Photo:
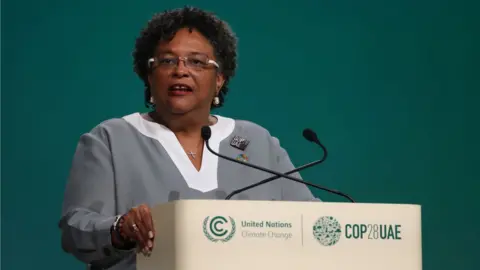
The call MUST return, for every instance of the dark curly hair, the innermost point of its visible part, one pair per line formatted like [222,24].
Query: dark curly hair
[163,27]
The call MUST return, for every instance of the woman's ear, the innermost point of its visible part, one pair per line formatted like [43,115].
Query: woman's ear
[220,82]
[149,80]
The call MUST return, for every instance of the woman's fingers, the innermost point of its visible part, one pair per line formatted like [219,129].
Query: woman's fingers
[144,228]
[146,217]
[143,217]
[148,222]
[140,228]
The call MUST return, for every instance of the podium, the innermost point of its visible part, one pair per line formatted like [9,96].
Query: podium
[281,235]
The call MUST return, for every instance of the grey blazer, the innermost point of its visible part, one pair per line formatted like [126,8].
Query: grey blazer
[124,162]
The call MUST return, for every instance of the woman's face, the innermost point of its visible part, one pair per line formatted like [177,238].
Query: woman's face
[181,86]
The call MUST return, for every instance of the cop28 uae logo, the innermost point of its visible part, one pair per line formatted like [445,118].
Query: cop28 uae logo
[327,231]
[219,228]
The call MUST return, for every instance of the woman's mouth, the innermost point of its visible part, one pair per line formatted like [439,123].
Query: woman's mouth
[179,90]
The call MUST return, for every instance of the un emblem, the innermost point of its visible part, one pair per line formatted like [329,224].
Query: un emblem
[219,228]
[327,231]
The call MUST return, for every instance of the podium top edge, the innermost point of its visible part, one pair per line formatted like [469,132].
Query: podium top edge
[293,202]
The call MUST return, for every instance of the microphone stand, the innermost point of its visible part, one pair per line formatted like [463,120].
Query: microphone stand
[206,136]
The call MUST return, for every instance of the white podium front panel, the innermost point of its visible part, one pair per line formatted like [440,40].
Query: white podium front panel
[210,235]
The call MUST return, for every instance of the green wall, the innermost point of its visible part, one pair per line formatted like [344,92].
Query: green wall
[390,86]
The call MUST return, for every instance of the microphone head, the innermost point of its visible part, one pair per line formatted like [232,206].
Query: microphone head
[206,133]
[310,135]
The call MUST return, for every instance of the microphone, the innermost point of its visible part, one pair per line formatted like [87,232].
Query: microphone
[308,134]
[173,195]
[311,136]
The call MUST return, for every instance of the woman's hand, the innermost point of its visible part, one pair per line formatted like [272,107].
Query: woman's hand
[137,226]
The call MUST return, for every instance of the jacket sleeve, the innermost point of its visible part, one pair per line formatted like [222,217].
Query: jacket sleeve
[291,190]
[88,211]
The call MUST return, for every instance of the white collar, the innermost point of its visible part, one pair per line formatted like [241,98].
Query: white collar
[204,180]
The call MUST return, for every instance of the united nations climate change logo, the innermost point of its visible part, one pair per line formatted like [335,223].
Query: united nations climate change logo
[219,228]
[327,231]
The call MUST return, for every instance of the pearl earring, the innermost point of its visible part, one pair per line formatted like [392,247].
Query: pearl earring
[216,101]
[152,100]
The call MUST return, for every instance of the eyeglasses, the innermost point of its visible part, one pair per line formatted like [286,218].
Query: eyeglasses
[195,62]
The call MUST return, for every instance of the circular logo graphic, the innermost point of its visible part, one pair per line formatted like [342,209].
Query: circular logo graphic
[219,228]
[327,231]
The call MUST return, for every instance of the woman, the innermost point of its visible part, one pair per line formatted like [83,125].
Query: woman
[186,58]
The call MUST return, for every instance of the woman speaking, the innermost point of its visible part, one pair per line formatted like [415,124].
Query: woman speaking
[123,166]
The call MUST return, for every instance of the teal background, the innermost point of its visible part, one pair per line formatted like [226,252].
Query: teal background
[391,87]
